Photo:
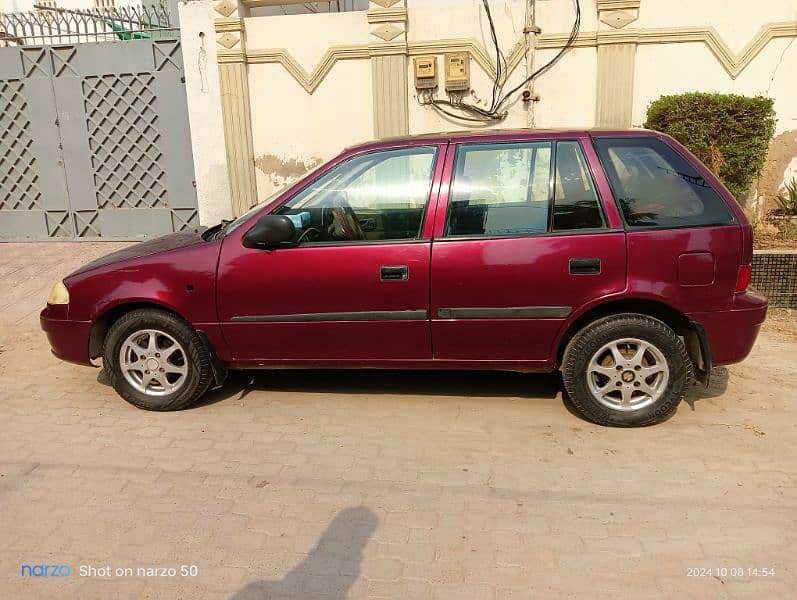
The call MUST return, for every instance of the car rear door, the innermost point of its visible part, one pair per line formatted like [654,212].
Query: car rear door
[522,240]
[355,284]
[685,246]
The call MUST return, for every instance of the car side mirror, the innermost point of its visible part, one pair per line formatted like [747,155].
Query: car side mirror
[269,232]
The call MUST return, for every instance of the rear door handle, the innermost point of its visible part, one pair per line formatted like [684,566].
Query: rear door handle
[585,266]
[394,273]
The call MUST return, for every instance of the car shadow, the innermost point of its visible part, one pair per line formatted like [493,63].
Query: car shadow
[370,382]
[329,570]
[694,392]
[718,385]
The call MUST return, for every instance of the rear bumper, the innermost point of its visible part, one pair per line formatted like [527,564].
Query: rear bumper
[732,333]
[69,340]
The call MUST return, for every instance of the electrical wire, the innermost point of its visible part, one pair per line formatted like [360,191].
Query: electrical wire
[438,104]
[477,113]
[472,113]
[500,60]
[426,99]
[571,40]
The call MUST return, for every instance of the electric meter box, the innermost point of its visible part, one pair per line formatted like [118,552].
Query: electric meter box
[425,72]
[457,72]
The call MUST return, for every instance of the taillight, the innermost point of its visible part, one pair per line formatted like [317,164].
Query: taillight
[743,278]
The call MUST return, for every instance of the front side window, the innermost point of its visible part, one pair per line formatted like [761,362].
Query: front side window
[500,189]
[656,187]
[375,196]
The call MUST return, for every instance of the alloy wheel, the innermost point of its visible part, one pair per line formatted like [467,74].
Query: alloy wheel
[627,374]
[153,362]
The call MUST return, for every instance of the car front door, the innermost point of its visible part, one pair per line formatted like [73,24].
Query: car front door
[521,242]
[354,284]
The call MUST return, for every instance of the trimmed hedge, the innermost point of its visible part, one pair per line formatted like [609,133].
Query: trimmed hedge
[729,133]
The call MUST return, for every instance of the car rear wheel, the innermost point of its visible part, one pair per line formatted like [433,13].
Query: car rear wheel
[156,361]
[626,370]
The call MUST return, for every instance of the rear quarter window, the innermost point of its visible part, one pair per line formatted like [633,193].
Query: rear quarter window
[657,187]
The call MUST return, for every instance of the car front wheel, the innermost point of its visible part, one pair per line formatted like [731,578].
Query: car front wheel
[156,361]
[626,370]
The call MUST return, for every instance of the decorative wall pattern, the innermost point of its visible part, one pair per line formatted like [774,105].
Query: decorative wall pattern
[19,176]
[124,139]
[733,63]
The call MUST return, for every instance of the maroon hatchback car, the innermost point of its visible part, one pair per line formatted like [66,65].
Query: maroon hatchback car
[613,256]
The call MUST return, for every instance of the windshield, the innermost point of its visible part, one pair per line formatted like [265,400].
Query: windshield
[233,225]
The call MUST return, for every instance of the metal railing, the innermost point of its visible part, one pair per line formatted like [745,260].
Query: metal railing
[48,25]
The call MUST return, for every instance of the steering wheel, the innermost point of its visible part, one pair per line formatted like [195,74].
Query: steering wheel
[311,234]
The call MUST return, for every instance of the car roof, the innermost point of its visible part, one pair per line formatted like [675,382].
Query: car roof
[493,135]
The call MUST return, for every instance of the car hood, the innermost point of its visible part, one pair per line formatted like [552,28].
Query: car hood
[165,243]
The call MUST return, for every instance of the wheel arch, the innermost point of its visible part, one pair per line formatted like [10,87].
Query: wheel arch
[102,323]
[698,352]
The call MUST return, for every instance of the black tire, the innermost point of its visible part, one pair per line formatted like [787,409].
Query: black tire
[593,337]
[198,377]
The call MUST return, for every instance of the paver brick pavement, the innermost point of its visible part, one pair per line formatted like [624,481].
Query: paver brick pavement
[384,485]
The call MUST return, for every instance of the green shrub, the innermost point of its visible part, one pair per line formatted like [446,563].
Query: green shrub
[729,133]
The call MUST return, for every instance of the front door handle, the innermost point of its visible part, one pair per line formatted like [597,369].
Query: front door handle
[585,266]
[394,273]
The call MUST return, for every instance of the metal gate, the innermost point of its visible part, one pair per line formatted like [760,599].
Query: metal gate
[94,141]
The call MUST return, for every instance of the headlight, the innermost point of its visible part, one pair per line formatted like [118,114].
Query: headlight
[59,294]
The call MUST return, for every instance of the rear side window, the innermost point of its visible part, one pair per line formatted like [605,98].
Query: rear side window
[656,187]
[509,189]
[500,189]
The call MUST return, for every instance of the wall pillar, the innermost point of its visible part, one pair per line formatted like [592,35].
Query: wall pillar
[616,63]
[615,91]
[204,110]
[389,67]
[234,89]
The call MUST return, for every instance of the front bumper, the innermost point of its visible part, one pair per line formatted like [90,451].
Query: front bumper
[732,333]
[69,340]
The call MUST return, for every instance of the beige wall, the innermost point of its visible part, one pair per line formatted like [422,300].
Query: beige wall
[293,130]
[675,67]
[316,83]
[765,67]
